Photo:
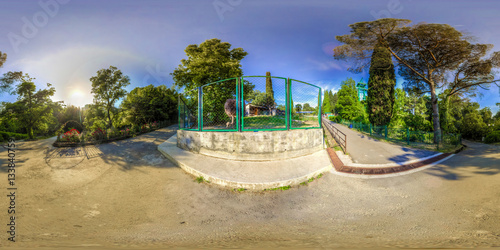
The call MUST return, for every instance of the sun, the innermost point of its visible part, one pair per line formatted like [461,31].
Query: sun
[78,98]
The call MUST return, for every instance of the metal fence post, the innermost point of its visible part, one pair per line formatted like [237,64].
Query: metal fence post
[386,132]
[319,107]
[240,108]
[200,109]
[289,103]
[179,111]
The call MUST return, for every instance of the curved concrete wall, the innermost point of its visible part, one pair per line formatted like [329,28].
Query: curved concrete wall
[254,146]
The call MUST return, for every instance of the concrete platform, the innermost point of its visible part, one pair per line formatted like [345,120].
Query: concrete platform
[251,175]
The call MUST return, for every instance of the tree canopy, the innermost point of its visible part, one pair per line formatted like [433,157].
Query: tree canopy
[381,85]
[108,86]
[426,54]
[149,104]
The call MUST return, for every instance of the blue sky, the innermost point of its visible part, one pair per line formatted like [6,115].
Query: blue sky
[65,42]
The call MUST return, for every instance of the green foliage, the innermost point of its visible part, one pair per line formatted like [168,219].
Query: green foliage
[326,107]
[348,105]
[108,86]
[264,100]
[336,118]
[32,111]
[425,54]
[269,85]
[148,104]
[380,100]
[208,62]
[492,137]
[4,136]
[298,107]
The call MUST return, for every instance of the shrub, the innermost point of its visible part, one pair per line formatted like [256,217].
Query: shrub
[492,137]
[71,136]
[7,135]
[336,119]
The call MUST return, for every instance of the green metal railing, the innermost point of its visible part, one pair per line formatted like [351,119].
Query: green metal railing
[406,135]
[251,103]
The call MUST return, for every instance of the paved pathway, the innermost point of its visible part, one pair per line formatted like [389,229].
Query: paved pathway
[366,150]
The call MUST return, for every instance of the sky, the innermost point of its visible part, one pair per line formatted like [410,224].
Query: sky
[65,42]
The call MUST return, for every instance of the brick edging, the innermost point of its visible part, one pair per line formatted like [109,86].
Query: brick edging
[340,167]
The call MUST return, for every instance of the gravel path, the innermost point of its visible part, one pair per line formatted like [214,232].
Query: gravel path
[127,195]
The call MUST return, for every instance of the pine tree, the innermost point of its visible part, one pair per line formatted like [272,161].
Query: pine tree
[380,100]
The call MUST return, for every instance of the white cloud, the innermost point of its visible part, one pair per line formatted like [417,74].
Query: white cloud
[325,65]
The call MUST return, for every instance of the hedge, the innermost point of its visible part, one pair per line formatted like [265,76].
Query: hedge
[4,136]
[492,137]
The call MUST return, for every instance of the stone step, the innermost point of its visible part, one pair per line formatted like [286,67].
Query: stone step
[251,175]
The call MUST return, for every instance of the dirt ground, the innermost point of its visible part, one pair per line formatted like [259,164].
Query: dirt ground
[127,195]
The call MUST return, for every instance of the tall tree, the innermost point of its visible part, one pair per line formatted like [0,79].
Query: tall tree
[325,108]
[32,108]
[348,105]
[209,62]
[380,100]
[269,85]
[108,87]
[425,53]
[149,104]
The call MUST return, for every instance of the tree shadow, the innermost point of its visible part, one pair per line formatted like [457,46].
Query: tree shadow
[477,159]
[138,151]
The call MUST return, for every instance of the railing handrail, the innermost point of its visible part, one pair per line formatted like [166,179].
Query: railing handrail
[335,133]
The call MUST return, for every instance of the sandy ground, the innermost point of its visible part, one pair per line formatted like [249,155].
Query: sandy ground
[127,195]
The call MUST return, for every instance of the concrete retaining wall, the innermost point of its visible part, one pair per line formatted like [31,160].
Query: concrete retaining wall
[254,146]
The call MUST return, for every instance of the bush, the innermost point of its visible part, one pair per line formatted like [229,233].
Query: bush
[336,119]
[492,137]
[7,135]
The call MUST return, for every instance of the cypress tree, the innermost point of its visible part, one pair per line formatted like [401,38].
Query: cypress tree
[326,103]
[380,100]
[269,85]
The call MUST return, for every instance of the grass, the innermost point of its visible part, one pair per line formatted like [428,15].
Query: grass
[279,188]
[200,179]
[270,122]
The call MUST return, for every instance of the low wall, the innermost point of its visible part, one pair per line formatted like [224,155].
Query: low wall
[254,146]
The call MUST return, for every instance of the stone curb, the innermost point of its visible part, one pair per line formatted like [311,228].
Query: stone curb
[367,171]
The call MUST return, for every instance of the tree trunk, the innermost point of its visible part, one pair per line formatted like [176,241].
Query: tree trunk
[30,133]
[435,115]
[109,119]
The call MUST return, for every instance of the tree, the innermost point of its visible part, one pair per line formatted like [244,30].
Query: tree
[325,108]
[3,58]
[269,85]
[32,108]
[348,105]
[264,100]
[148,104]
[399,111]
[380,100]
[425,53]
[109,86]
[298,107]
[307,107]
[209,62]
[333,99]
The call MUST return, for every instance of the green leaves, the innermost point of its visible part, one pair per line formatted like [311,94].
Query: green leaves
[208,62]
[108,86]
[381,84]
